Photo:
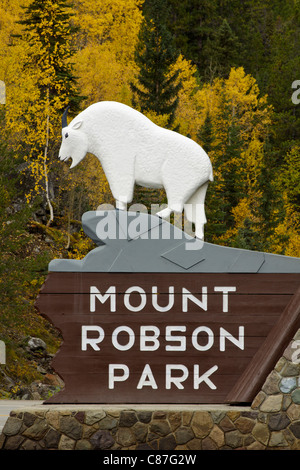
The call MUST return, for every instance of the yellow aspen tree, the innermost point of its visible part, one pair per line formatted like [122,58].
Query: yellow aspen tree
[286,239]
[239,124]
[104,62]
[187,116]
[46,67]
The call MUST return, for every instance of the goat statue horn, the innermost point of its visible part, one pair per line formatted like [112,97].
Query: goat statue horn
[64,117]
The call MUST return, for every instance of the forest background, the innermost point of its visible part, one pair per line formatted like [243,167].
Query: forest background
[225,73]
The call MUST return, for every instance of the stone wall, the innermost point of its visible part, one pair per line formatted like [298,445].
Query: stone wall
[271,422]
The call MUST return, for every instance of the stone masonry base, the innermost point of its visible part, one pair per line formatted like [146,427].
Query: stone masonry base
[152,428]
[271,422]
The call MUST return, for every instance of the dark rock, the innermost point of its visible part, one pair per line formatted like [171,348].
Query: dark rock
[296,396]
[31,445]
[295,428]
[278,421]
[37,430]
[161,428]
[102,439]
[71,427]
[250,414]
[183,435]
[12,426]
[209,444]
[28,419]
[80,416]
[127,419]
[153,444]
[140,431]
[143,447]
[167,443]
[226,424]
[13,442]
[144,416]
[51,439]
[234,439]
[109,422]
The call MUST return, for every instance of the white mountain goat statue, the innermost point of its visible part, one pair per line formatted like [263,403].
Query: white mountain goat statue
[133,150]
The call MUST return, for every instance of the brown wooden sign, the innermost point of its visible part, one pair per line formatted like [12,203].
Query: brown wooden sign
[168,337]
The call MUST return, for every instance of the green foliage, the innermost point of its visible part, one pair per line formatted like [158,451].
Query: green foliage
[46,40]
[157,88]
[220,70]
[48,30]
[224,50]
[22,272]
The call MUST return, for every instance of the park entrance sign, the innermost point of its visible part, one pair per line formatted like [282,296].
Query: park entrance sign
[150,318]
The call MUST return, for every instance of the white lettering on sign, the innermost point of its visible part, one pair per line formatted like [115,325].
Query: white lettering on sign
[175,376]
[145,339]
[210,338]
[155,303]
[186,295]
[93,342]
[139,292]
[147,379]
[178,339]
[115,340]
[225,291]
[151,342]
[204,377]
[143,299]
[177,381]
[112,378]
[96,294]
[238,342]
[148,338]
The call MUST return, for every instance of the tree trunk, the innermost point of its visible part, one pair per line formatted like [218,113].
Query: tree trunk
[45,165]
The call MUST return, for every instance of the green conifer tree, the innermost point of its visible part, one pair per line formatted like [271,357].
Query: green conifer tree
[228,186]
[48,29]
[157,88]
[247,237]
[223,48]
[206,134]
